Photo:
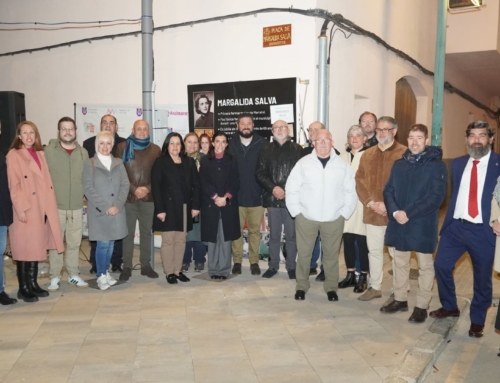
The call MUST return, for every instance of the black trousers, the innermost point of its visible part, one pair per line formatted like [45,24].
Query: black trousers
[116,257]
[350,240]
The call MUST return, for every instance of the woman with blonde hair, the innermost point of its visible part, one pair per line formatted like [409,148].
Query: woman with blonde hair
[36,227]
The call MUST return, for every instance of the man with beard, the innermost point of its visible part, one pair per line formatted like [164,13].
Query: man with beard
[65,158]
[466,227]
[276,161]
[109,124]
[413,195]
[372,175]
[202,106]
[245,145]
[368,121]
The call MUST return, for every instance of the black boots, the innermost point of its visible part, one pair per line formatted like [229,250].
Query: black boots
[25,291]
[33,274]
[349,280]
[362,284]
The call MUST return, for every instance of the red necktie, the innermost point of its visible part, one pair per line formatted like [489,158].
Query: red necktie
[473,210]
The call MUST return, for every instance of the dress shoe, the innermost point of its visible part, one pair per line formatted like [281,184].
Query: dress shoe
[116,269]
[93,270]
[300,295]
[172,279]
[476,331]
[418,316]
[236,268]
[332,296]
[370,294]
[321,276]
[348,281]
[443,313]
[181,277]
[313,271]
[5,299]
[148,271]
[125,274]
[269,273]
[291,274]
[362,284]
[395,306]
[255,269]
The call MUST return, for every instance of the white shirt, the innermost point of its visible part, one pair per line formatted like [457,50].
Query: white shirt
[462,206]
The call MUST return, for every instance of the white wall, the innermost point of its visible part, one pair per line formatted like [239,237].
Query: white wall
[109,71]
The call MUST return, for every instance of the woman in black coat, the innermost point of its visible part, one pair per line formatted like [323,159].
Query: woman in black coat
[175,186]
[219,205]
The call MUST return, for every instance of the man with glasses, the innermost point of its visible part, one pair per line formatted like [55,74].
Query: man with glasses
[372,175]
[276,161]
[321,195]
[368,122]
[466,227]
[65,158]
[109,124]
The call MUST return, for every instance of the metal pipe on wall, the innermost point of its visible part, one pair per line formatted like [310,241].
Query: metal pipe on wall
[323,76]
[147,79]
[439,61]
[147,60]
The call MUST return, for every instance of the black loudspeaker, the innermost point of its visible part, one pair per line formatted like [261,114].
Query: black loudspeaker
[12,112]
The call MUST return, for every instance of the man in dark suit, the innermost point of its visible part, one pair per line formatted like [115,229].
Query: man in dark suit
[466,227]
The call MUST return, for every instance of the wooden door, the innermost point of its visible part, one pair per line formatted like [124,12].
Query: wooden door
[405,110]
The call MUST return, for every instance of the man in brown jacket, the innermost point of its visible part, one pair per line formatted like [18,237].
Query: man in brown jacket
[372,175]
[138,155]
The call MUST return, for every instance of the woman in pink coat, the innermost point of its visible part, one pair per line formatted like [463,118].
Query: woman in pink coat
[36,226]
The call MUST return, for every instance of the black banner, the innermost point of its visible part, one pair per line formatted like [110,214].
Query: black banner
[217,106]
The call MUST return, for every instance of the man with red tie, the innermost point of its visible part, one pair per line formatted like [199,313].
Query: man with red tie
[466,227]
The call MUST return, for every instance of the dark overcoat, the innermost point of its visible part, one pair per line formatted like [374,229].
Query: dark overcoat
[210,188]
[167,193]
[418,188]
[5,202]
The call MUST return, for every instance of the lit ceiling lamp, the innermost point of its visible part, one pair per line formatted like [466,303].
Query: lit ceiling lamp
[457,6]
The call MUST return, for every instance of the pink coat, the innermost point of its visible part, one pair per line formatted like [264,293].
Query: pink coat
[32,192]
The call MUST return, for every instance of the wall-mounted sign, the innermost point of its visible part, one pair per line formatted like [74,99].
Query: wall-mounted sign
[277,35]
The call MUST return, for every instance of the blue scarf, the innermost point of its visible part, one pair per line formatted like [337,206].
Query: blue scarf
[134,144]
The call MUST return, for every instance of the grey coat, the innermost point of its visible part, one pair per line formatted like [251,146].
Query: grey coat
[104,189]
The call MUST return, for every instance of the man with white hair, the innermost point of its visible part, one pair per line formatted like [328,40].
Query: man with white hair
[321,195]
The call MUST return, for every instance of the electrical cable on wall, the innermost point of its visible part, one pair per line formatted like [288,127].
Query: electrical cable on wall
[342,24]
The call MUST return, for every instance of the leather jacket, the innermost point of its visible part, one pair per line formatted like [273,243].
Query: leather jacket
[274,165]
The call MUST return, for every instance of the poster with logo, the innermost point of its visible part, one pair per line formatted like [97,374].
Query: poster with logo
[217,106]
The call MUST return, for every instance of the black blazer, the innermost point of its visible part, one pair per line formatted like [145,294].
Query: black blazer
[6,212]
[209,210]
[168,196]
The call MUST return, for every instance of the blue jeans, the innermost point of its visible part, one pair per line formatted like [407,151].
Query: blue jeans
[3,243]
[317,251]
[195,250]
[103,252]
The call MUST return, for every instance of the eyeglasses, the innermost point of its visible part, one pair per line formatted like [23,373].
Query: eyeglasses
[323,140]
[481,136]
[385,130]
[280,127]
[67,129]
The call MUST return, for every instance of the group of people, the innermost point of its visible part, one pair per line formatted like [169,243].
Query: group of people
[201,192]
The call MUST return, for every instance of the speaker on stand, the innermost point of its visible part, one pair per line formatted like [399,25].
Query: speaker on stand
[12,112]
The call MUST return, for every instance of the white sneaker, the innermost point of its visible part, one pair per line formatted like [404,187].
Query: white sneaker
[75,280]
[111,280]
[102,282]
[54,284]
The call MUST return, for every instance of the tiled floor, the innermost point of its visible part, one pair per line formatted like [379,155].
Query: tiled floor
[246,329]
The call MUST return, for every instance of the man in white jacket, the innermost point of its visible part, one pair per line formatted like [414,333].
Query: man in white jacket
[321,195]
